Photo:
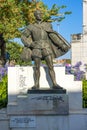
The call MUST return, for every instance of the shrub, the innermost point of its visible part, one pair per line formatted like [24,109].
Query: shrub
[75,70]
[84,89]
[3,86]
[3,92]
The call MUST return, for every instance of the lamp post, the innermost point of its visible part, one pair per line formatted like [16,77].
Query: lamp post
[58,27]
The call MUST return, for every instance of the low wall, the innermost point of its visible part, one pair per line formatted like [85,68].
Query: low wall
[73,121]
[4,120]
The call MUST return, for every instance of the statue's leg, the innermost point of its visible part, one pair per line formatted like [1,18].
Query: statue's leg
[36,73]
[49,62]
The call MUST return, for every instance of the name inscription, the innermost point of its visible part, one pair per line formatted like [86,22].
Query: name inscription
[49,98]
[22,121]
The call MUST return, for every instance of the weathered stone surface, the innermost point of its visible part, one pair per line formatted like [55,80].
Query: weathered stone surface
[40,104]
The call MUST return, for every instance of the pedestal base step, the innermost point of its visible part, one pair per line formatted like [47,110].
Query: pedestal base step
[46,91]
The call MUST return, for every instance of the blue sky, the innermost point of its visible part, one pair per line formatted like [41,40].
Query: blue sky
[72,24]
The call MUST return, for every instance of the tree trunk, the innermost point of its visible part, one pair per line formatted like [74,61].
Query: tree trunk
[2,49]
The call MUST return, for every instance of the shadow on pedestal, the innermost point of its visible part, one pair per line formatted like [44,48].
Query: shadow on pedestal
[46,91]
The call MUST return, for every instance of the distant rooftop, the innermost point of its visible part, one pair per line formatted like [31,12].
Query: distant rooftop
[76,37]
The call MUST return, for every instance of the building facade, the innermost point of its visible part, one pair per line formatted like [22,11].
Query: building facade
[79,41]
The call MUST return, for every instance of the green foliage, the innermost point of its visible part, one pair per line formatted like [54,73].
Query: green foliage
[10,19]
[68,61]
[3,92]
[43,62]
[15,49]
[84,85]
[15,14]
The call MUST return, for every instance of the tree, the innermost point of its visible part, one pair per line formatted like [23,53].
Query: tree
[15,14]
[10,19]
[2,48]
[28,7]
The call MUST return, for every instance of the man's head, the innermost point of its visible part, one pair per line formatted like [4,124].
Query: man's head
[38,15]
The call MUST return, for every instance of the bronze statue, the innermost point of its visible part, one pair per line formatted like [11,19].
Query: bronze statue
[41,42]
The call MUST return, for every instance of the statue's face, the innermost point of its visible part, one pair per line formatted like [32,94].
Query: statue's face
[38,15]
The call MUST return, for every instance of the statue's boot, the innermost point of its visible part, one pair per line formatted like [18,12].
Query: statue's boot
[35,87]
[57,87]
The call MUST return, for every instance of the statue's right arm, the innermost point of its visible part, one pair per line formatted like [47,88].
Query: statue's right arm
[26,38]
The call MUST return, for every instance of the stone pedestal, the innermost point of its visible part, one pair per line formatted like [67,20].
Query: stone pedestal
[47,108]
[41,102]
[37,104]
[48,102]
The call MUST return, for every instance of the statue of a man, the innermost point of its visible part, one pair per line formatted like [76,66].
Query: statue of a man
[44,43]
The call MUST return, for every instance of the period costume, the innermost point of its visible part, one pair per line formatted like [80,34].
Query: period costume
[40,40]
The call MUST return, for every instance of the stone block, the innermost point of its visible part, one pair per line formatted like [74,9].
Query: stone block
[41,102]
